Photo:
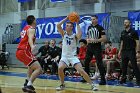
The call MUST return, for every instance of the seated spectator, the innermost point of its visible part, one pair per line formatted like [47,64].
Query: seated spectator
[110,58]
[82,54]
[82,50]
[53,56]
[44,54]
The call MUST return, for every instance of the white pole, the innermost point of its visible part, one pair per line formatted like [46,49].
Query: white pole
[36,4]
[19,6]
[71,7]
[1,6]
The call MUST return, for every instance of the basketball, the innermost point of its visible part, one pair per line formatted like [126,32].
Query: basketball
[73,17]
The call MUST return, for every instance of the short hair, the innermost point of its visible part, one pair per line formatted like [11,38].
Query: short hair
[128,20]
[83,40]
[70,23]
[95,16]
[30,19]
[53,40]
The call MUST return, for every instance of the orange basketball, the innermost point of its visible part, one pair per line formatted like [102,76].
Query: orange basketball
[73,17]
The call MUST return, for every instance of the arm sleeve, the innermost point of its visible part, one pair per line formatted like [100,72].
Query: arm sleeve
[102,31]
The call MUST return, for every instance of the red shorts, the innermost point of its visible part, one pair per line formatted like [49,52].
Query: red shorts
[25,56]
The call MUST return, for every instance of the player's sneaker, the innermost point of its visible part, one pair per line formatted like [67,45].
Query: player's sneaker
[96,76]
[61,87]
[94,88]
[29,89]
[26,81]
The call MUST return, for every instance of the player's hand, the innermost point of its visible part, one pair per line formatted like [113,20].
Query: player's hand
[77,22]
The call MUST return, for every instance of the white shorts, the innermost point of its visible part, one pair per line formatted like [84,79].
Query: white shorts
[67,60]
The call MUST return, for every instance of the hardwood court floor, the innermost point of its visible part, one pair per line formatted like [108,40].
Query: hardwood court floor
[13,84]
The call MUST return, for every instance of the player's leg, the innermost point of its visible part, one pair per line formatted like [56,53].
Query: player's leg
[61,68]
[36,68]
[29,72]
[79,68]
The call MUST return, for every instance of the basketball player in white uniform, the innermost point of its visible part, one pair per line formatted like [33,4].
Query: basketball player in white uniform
[69,53]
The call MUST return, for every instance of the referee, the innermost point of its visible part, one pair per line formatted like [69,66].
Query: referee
[95,35]
[129,47]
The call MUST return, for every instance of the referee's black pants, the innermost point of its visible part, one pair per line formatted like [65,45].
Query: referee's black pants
[130,55]
[97,52]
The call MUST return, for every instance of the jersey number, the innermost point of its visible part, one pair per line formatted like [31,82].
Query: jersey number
[23,33]
[68,42]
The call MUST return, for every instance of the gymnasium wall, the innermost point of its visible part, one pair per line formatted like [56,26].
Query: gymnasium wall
[116,7]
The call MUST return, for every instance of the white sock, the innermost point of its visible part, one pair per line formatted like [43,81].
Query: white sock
[29,83]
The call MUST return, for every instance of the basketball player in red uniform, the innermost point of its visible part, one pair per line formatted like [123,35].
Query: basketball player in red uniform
[25,55]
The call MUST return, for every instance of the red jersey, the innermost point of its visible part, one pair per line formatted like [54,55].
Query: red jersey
[24,44]
[110,52]
[82,53]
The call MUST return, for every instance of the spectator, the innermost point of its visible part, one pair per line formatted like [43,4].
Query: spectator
[110,58]
[44,54]
[82,50]
[53,56]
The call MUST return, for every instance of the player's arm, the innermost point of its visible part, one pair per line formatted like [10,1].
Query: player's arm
[79,32]
[31,34]
[59,28]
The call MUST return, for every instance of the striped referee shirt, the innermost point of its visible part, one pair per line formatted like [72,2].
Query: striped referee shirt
[95,32]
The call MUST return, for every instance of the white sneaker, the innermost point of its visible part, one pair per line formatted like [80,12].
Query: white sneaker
[94,88]
[96,76]
[61,87]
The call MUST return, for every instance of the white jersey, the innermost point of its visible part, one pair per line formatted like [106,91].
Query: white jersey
[69,45]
